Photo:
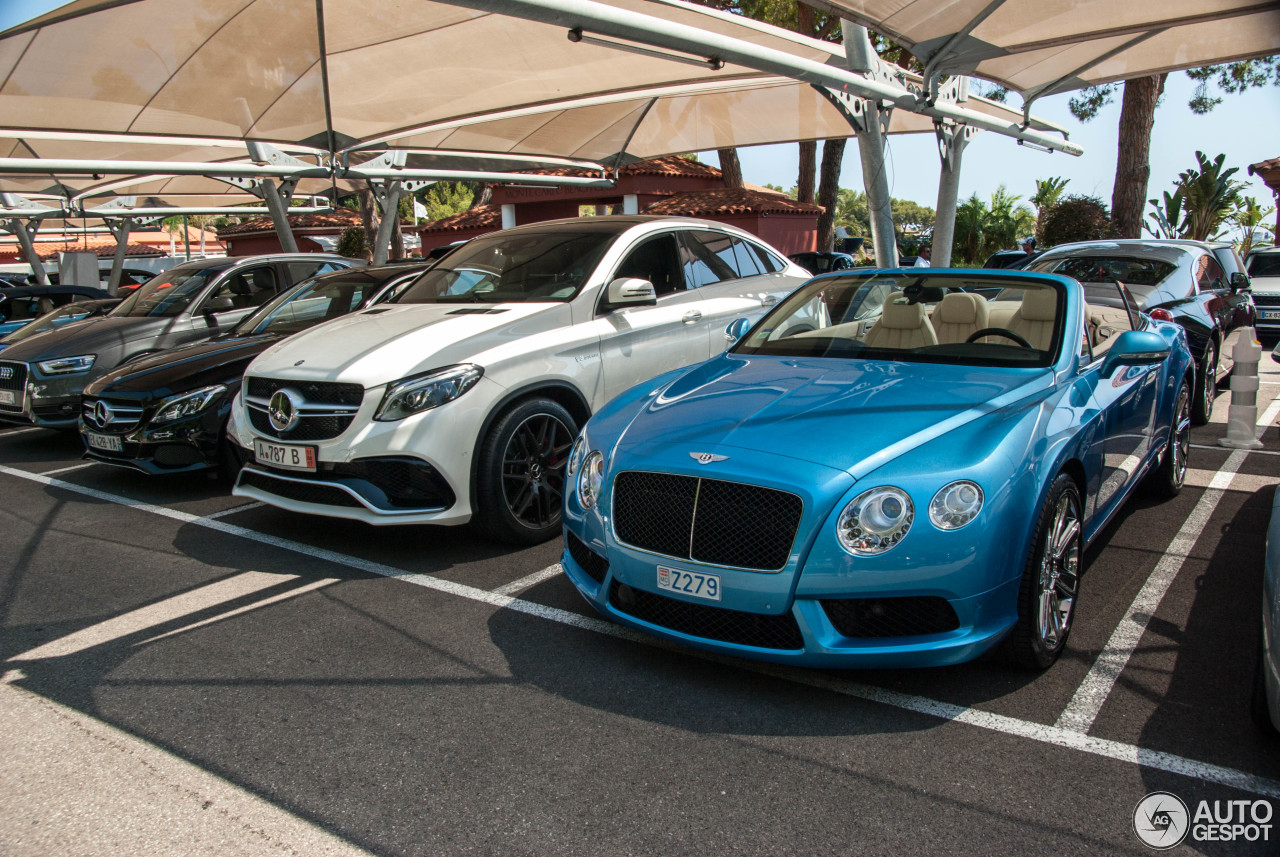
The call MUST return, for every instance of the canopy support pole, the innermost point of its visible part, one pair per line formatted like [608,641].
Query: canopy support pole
[277,200]
[26,237]
[952,139]
[121,234]
[388,196]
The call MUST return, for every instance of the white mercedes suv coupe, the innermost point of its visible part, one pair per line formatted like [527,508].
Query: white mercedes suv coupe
[461,397]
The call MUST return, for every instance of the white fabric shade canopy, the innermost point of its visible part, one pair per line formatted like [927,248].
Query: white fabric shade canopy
[1041,47]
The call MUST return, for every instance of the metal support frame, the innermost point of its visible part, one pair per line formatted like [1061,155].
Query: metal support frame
[952,140]
[387,195]
[25,229]
[870,118]
[599,19]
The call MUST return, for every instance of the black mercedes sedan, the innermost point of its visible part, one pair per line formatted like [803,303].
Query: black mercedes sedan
[167,413]
[1182,281]
[42,377]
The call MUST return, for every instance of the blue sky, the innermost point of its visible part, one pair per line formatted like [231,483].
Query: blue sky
[1244,127]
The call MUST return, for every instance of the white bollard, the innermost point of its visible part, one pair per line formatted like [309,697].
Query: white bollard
[1242,416]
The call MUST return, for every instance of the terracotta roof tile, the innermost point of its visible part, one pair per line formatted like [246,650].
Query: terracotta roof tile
[328,221]
[1272,164]
[668,166]
[480,217]
[730,200]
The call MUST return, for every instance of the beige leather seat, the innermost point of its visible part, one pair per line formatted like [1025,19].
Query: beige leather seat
[1036,319]
[902,325]
[958,316]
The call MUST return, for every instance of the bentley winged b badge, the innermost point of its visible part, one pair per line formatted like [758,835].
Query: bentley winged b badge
[707,457]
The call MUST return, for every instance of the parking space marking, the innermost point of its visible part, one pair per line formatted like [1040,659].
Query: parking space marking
[71,468]
[532,580]
[164,612]
[213,516]
[1039,732]
[1093,692]
[1247,483]
[1223,449]
[11,433]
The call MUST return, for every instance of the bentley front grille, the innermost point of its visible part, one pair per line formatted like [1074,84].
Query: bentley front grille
[706,520]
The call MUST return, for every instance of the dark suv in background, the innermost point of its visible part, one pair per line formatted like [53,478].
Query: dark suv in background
[41,378]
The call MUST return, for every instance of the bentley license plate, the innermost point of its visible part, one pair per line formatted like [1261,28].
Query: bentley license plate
[693,583]
[105,442]
[288,457]
[8,397]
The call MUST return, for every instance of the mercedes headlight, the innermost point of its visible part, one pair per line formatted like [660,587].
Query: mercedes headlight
[67,365]
[955,505]
[591,479]
[875,521]
[424,392]
[190,403]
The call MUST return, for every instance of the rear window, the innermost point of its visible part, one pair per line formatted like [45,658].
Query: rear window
[1141,276]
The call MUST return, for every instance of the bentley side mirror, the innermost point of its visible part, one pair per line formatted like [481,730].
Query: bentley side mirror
[631,291]
[1135,348]
[736,330]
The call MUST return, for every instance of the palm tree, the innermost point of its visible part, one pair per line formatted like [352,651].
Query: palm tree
[1210,195]
[1248,217]
[1048,192]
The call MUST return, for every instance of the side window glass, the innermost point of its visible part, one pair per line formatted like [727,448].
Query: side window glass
[301,270]
[769,263]
[1211,276]
[247,288]
[654,260]
[748,262]
[708,259]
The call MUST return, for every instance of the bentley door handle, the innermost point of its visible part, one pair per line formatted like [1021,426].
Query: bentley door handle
[692,316]
[768,300]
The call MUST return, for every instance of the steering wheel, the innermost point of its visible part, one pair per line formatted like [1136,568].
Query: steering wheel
[1000,331]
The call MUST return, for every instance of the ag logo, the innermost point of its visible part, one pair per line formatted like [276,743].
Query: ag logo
[6,372]
[707,457]
[283,408]
[1161,820]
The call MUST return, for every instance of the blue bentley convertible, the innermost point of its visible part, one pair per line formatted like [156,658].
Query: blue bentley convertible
[909,489]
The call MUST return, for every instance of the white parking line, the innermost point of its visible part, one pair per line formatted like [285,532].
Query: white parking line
[213,516]
[11,433]
[71,468]
[1093,692]
[1054,735]
[532,580]
[1223,449]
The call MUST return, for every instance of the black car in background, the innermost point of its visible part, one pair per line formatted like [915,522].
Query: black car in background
[167,413]
[41,378]
[76,311]
[823,263]
[1182,281]
[21,304]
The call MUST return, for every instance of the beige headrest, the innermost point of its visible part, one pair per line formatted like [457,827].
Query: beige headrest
[1039,305]
[900,315]
[960,308]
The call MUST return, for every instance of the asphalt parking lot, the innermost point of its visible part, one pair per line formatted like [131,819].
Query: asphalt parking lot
[188,673]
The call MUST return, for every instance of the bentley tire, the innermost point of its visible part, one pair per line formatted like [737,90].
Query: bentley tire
[520,474]
[1206,385]
[1050,581]
[1167,479]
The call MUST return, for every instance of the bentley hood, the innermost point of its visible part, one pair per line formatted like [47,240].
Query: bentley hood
[389,342]
[853,415]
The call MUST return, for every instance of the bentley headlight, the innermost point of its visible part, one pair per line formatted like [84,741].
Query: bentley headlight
[185,405]
[955,505]
[575,456]
[67,365]
[591,479]
[875,521]
[424,392]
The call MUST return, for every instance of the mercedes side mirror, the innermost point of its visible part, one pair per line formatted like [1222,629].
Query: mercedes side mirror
[631,291]
[221,304]
[1240,282]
